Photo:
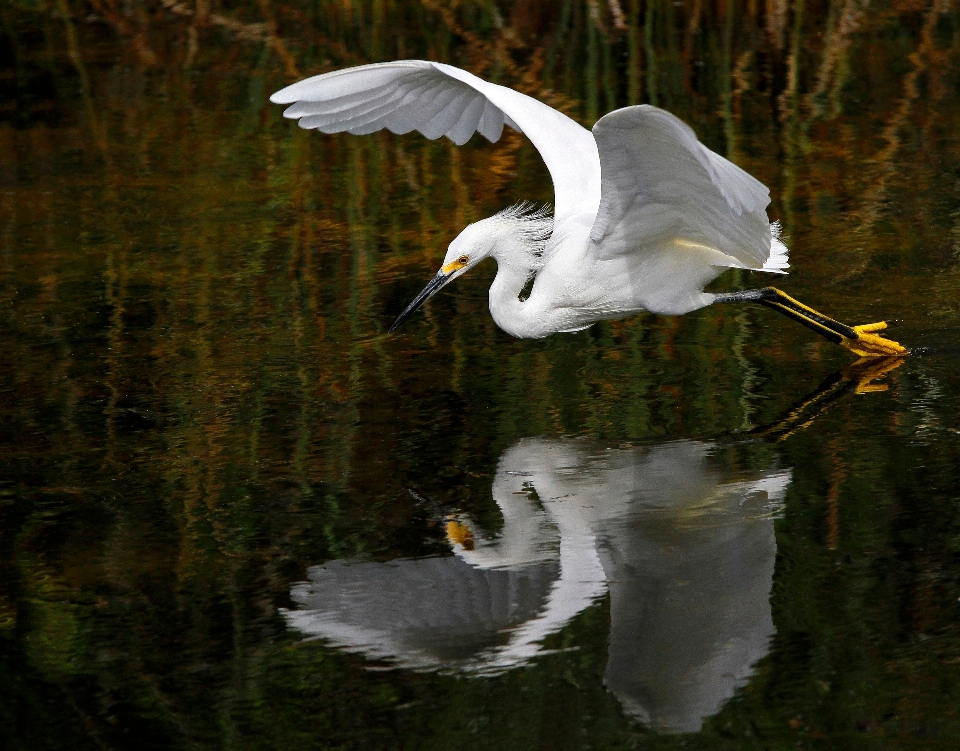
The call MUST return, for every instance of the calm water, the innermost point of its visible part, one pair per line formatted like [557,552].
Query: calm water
[234,513]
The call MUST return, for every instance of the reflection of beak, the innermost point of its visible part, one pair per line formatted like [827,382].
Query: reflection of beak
[429,291]
[459,534]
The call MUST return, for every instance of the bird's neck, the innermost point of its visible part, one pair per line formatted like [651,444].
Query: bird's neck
[517,259]
[508,311]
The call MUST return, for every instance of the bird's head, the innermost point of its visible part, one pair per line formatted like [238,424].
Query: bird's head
[469,248]
[516,237]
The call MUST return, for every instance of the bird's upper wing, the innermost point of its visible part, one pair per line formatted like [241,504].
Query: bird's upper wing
[659,183]
[437,100]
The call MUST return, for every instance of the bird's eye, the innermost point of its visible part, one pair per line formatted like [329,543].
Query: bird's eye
[463,260]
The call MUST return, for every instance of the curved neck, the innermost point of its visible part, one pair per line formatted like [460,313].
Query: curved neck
[505,305]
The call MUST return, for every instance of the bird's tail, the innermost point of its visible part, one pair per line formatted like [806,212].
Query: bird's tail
[778,261]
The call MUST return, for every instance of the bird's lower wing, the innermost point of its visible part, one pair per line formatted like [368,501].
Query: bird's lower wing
[661,186]
[440,100]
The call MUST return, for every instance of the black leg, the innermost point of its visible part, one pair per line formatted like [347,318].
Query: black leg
[860,339]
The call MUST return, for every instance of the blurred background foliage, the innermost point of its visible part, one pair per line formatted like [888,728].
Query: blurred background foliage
[198,399]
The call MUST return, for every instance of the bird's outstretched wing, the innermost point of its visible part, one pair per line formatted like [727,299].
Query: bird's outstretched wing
[659,183]
[436,100]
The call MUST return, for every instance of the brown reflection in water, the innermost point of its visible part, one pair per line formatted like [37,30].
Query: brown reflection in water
[198,399]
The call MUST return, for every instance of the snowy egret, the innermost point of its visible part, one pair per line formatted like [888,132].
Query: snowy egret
[644,214]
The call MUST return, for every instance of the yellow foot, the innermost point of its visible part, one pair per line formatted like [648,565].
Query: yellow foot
[868,344]
[868,369]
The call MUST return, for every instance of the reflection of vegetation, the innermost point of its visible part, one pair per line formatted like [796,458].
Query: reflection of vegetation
[198,400]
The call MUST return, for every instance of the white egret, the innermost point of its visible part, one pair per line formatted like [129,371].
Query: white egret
[644,214]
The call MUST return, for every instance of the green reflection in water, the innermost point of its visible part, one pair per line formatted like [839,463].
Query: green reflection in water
[199,401]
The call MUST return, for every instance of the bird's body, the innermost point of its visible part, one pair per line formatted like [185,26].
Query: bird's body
[574,288]
[645,216]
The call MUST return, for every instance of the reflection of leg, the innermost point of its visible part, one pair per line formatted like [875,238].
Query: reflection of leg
[857,377]
[860,340]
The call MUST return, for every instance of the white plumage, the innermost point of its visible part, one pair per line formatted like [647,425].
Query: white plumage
[644,214]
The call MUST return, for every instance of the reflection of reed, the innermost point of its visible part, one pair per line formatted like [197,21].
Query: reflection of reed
[843,21]
[884,165]
[442,186]
[776,12]
[131,22]
[194,379]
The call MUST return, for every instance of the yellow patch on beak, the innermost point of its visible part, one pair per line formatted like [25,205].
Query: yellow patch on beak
[459,534]
[453,266]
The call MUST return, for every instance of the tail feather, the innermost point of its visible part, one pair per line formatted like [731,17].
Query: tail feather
[778,261]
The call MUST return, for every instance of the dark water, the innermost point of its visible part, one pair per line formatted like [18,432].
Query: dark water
[234,513]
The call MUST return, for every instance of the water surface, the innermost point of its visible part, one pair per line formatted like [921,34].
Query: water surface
[236,514]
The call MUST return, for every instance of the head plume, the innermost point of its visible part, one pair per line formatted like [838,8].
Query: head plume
[531,225]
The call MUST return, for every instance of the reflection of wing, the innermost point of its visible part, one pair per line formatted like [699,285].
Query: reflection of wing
[686,555]
[421,614]
[660,185]
[688,558]
[436,100]
[693,615]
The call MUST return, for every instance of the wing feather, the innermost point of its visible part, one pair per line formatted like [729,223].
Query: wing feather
[467,124]
[341,105]
[318,117]
[403,120]
[437,100]
[429,102]
[371,126]
[660,184]
[428,109]
[417,108]
[441,102]
[348,82]
[491,124]
[448,117]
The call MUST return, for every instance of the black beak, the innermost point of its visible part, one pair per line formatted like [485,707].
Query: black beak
[429,291]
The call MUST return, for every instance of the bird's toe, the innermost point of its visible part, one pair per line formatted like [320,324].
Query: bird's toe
[868,344]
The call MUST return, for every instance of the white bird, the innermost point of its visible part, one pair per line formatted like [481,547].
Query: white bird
[645,216]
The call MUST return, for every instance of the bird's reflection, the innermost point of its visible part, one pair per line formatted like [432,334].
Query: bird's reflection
[685,551]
